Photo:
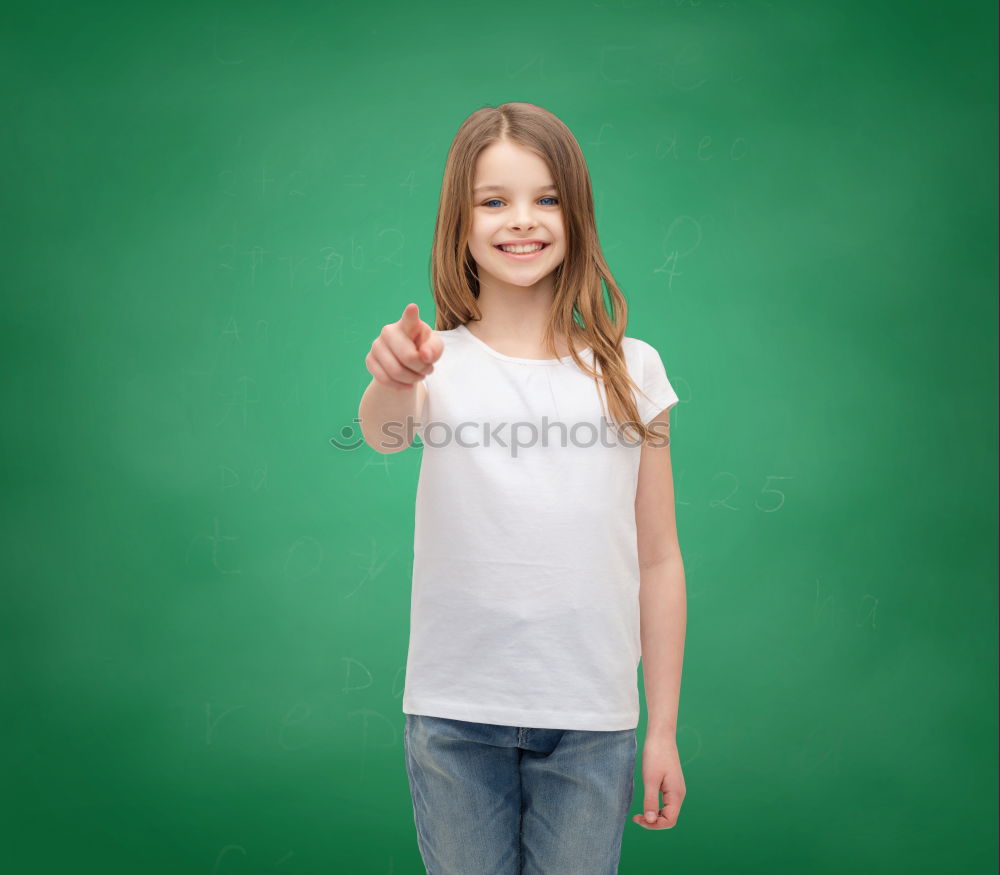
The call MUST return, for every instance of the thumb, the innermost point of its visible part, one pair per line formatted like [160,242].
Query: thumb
[651,802]
[429,346]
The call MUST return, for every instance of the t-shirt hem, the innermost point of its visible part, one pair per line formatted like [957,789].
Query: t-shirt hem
[531,718]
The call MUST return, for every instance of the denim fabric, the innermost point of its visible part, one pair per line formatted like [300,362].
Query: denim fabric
[511,800]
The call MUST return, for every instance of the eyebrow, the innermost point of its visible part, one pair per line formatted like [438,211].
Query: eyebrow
[503,188]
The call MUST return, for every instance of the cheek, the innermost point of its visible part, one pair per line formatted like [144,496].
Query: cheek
[480,233]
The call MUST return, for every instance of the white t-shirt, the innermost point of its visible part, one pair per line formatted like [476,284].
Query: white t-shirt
[525,600]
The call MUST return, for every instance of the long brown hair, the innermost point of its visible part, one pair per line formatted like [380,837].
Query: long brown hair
[578,312]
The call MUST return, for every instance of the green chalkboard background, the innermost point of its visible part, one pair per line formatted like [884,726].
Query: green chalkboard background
[210,209]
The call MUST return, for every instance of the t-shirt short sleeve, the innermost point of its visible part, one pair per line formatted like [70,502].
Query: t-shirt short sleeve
[657,393]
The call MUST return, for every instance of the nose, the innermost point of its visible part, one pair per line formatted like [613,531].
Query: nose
[524,217]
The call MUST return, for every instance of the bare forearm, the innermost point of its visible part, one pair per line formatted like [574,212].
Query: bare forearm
[663,621]
[387,417]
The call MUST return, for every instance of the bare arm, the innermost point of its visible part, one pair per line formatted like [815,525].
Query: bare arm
[663,619]
[662,591]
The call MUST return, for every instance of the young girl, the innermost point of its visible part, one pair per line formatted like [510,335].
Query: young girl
[545,556]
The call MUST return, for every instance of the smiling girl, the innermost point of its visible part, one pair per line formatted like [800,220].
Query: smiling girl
[545,560]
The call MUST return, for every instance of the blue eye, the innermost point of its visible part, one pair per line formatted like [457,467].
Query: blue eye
[546,198]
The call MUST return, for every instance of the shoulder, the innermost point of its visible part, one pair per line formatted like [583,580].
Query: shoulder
[449,335]
[451,339]
[638,352]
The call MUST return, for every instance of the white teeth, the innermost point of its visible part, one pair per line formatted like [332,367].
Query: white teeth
[520,249]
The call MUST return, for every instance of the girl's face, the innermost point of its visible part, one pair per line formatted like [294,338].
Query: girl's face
[515,200]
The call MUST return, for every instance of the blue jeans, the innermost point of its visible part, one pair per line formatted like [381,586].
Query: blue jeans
[511,800]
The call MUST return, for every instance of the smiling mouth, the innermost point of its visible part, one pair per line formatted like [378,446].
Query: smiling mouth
[524,256]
